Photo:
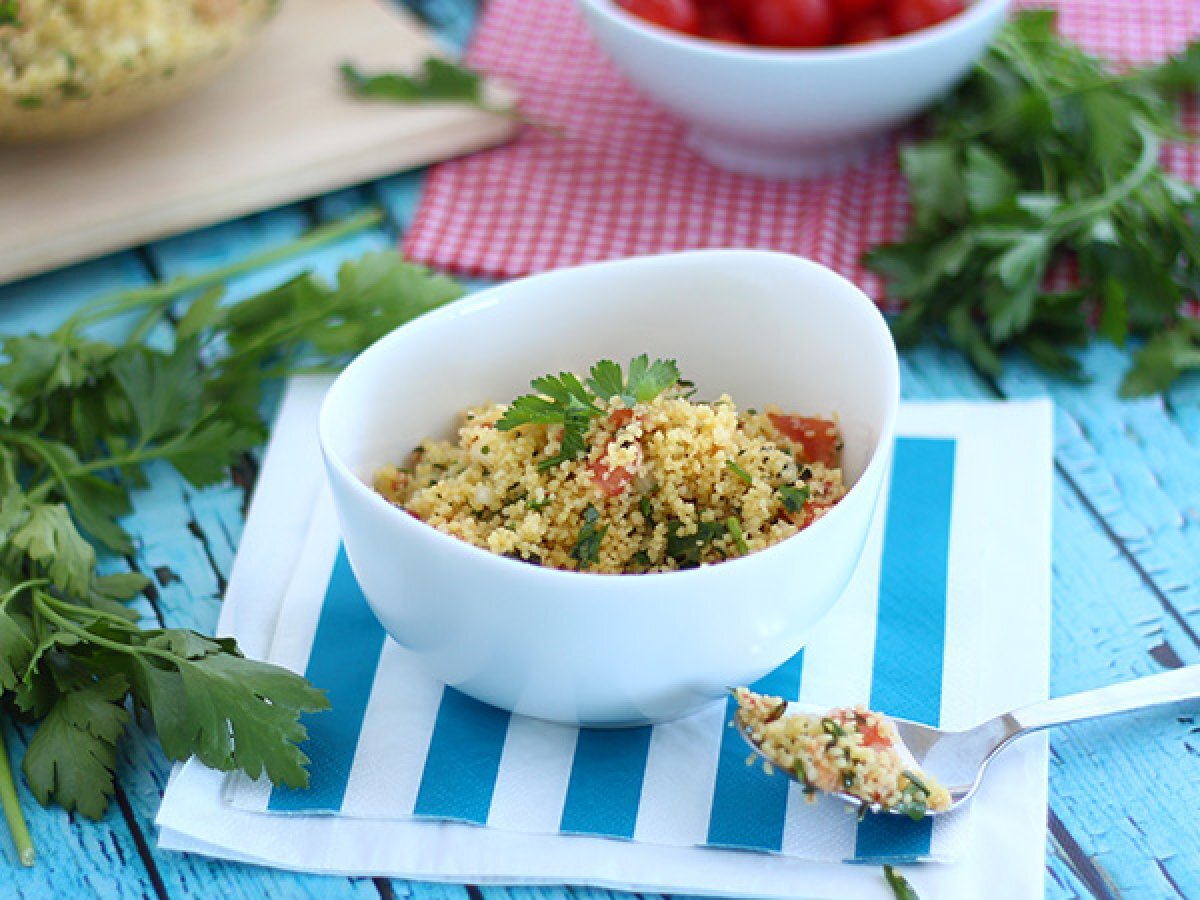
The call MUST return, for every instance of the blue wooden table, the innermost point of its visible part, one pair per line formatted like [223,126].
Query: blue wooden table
[1124,796]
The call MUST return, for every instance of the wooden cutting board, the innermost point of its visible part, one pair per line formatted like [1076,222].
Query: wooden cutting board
[276,127]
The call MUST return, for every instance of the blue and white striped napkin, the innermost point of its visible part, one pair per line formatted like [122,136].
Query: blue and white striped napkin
[945,622]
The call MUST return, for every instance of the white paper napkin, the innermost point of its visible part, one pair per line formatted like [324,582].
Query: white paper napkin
[1002,483]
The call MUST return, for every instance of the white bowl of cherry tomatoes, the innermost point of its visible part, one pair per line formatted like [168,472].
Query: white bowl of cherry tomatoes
[793,88]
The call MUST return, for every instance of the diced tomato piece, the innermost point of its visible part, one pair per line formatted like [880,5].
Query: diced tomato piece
[808,514]
[612,482]
[818,438]
[874,733]
[874,736]
[620,418]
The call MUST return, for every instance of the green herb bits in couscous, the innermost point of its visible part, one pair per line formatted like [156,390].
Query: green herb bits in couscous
[622,472]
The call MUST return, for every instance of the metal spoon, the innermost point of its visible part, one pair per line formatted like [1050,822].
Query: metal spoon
[958,759]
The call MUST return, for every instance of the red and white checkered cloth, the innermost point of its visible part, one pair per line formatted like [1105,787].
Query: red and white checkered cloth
[621,182]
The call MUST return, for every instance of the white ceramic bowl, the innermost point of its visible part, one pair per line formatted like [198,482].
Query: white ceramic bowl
[792,112]
[594,649]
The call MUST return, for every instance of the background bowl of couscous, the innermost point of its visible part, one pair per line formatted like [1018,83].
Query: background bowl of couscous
[71,69]
[601,649]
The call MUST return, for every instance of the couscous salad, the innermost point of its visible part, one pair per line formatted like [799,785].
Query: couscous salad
[846,751]
[52,49]
[622,472]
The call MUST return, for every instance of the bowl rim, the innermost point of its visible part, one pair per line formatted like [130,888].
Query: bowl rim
[486,298]
[978,9]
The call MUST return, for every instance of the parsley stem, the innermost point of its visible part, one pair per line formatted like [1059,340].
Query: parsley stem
[138,456]
[34,445]
[92,612]
[42,601]
[56,611]
[17,826]
[17,588]
[168,291]
[1118,192]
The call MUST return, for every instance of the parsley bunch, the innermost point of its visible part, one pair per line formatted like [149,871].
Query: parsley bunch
[80,420]
[1044,158]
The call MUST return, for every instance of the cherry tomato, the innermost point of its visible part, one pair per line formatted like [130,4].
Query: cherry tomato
[906,16]
[848,11]
[739,9]
[678,15]
[818,438]
[866,30]
[792,23]
[721,21]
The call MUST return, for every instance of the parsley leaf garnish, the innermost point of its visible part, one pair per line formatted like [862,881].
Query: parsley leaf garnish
[587,546]
[645,382]
[1042,156]
[561,400]
[688,549]
[10,12]
[564,400]
[793,497]
[647,510]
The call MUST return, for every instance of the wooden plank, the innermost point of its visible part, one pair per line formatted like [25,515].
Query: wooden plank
[1137,463]
[277,127]
[453,20]
[1109,625]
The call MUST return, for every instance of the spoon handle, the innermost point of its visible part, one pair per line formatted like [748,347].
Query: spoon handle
[1154,690]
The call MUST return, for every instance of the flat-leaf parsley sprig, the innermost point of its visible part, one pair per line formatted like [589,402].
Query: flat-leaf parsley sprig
[565,400]
[80,420]
[438,81]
